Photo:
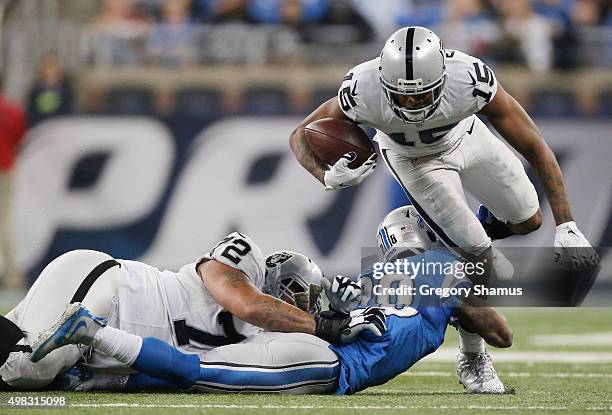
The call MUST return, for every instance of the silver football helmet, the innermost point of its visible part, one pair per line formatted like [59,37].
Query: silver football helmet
[403,233]
[412,64]
[289,274]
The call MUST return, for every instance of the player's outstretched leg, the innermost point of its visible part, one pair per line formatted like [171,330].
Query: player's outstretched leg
[76,326]
[474,366]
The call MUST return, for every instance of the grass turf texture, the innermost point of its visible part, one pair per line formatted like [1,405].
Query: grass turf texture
[430,387]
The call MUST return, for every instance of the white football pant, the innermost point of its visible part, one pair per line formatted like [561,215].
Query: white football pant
[484,166]
[63,280]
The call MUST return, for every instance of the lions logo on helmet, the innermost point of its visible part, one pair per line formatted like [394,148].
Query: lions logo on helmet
[420,222]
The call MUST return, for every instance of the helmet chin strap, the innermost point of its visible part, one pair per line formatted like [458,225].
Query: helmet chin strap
[397,109]
[420,120]
[426,114]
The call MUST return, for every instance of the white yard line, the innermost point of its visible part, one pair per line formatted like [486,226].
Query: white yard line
[425,373]
[450,355]
[584,339]
[348,407]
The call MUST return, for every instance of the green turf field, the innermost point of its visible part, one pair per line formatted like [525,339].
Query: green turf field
[568,373]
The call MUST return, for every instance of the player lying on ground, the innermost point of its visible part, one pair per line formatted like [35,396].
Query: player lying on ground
[218,300]
[422,100]
[294,362]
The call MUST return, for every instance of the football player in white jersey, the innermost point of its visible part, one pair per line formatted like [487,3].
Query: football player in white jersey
[422,100]
[215,301]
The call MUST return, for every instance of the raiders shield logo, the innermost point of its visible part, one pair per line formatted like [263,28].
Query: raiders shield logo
[277,259]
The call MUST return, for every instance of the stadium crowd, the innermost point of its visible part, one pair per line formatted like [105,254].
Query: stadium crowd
[532,36]
[541,34]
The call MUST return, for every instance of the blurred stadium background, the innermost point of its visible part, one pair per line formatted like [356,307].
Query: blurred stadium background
[155,127]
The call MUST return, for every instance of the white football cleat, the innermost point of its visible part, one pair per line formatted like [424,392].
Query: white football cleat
[477,374]
[502,267]
[76,326]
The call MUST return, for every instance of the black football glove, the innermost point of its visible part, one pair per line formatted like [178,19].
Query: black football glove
[338,328]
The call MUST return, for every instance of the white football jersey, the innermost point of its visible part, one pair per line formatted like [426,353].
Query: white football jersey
[176,306]
[470,85]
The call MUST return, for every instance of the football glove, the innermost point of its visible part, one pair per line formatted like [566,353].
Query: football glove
[340,175]
[570,244]
[344,294]
[338,328]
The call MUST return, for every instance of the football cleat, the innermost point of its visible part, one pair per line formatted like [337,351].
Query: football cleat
[495,228]
[76,326]
[503,269]
[477,374]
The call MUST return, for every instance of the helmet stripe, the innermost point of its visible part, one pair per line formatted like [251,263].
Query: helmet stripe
[385,238]
[409,47]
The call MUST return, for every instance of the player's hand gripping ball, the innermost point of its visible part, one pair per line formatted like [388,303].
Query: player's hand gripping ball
[340,175]
[345,147]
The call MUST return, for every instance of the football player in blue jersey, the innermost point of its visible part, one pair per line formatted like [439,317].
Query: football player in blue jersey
[299,363]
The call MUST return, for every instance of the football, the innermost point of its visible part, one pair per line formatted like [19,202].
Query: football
[331,138]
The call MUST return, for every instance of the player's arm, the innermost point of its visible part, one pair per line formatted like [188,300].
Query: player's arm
[514,124]
[301,149]
[235,293]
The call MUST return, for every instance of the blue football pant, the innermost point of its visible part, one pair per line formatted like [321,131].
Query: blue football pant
[265,363]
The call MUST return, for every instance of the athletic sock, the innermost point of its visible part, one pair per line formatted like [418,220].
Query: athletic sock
[118,344]
[470,342]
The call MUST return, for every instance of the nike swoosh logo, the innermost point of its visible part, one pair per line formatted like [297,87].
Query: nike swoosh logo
[572,232]
[473,80]
[354,93]
[471,128]
[78,326]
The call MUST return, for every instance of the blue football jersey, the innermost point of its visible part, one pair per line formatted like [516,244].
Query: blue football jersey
[412,333]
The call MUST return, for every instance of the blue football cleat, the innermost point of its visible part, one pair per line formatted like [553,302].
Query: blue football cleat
[76,326]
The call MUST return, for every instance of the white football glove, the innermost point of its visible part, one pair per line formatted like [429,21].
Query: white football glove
[570,244]
[344,294]
[340,175]
[372,319]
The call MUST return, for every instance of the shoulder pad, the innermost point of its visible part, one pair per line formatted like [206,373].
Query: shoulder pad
[239,251]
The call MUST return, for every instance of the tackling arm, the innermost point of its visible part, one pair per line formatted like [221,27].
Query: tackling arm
[301,149]
[235,293]
[514,124]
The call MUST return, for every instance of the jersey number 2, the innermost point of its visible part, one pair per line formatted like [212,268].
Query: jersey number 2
[236,251]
